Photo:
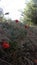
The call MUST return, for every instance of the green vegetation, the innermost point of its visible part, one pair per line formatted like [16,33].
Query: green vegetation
[30,12]
[21,38]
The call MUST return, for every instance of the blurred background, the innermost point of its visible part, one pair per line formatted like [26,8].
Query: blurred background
[13,7]
[23,10]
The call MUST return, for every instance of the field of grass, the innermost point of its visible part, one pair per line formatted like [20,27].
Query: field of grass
[23,44]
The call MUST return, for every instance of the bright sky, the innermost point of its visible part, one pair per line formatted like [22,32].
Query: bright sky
[12,6]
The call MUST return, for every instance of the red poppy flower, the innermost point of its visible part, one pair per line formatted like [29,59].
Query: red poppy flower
[5,45]
[35,61]
[16,21]
[26,26]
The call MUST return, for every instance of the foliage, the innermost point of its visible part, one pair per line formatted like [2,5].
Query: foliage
[22,44]
[30,12]
[19,43]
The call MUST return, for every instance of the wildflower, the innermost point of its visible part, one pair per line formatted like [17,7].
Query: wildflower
[35,61]
[16,21]
[5,44]
[26,27]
